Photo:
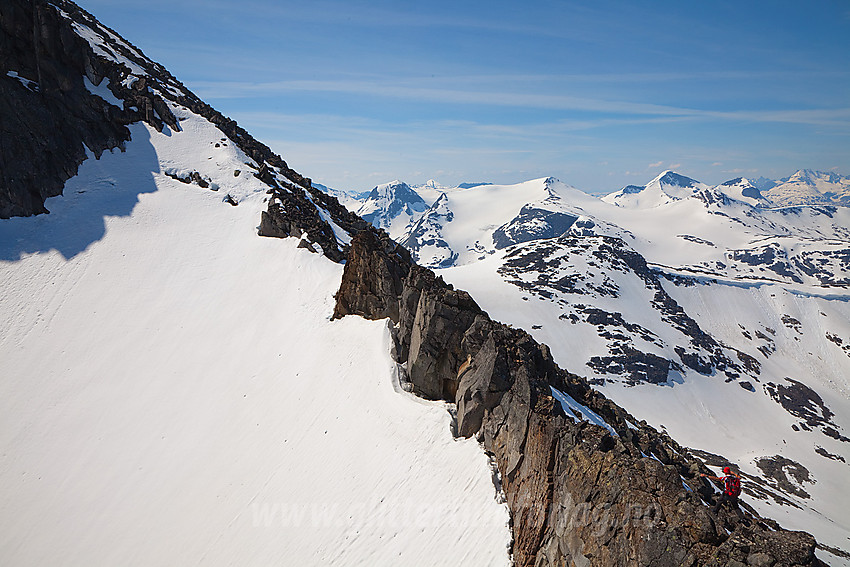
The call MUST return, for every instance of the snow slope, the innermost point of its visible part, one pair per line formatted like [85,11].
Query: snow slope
[174,393]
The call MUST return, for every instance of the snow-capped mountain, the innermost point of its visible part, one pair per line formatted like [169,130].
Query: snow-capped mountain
[667,187]
[807,187]
[460,226]
[701,300]
[742,189]
[392,206]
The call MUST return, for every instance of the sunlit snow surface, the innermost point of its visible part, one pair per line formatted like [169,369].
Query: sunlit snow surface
[173,392]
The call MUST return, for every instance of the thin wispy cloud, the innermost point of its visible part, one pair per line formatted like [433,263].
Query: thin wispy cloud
[347,91]
[835,117]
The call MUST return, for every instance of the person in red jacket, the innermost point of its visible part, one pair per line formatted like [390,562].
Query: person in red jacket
[731,490]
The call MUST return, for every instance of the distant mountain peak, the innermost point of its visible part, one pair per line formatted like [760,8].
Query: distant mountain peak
[811,176]
[743,189]
[392,206]
[670,177]
[763,183]
[810,187]
[666,187]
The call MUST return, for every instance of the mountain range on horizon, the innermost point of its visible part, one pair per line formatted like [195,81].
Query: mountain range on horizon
[803,187]
[208,358]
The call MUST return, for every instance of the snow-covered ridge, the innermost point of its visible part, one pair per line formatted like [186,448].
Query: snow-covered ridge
[715,228]
[667,187]
[149,416]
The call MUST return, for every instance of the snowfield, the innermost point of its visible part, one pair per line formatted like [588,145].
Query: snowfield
[174,392]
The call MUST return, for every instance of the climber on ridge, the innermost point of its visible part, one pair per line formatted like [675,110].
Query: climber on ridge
[731,490]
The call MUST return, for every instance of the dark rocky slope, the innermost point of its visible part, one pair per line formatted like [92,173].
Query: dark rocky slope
[579,494]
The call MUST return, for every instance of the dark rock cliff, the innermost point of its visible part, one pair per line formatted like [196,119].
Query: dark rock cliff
[47,116]
[579,493]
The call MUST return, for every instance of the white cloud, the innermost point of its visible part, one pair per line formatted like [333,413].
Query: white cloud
[452,91]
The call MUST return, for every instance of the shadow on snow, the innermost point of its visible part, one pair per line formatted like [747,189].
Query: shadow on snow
[106,187]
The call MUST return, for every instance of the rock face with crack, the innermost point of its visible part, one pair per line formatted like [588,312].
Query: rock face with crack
[588,487]
[49,117]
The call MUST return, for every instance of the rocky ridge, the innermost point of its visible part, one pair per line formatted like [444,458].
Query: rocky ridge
[579,492]
[56,57]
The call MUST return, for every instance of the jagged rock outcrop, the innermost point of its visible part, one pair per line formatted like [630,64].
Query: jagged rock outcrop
[586,484]
[372,296]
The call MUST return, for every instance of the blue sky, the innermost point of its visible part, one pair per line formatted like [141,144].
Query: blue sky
[598,94]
